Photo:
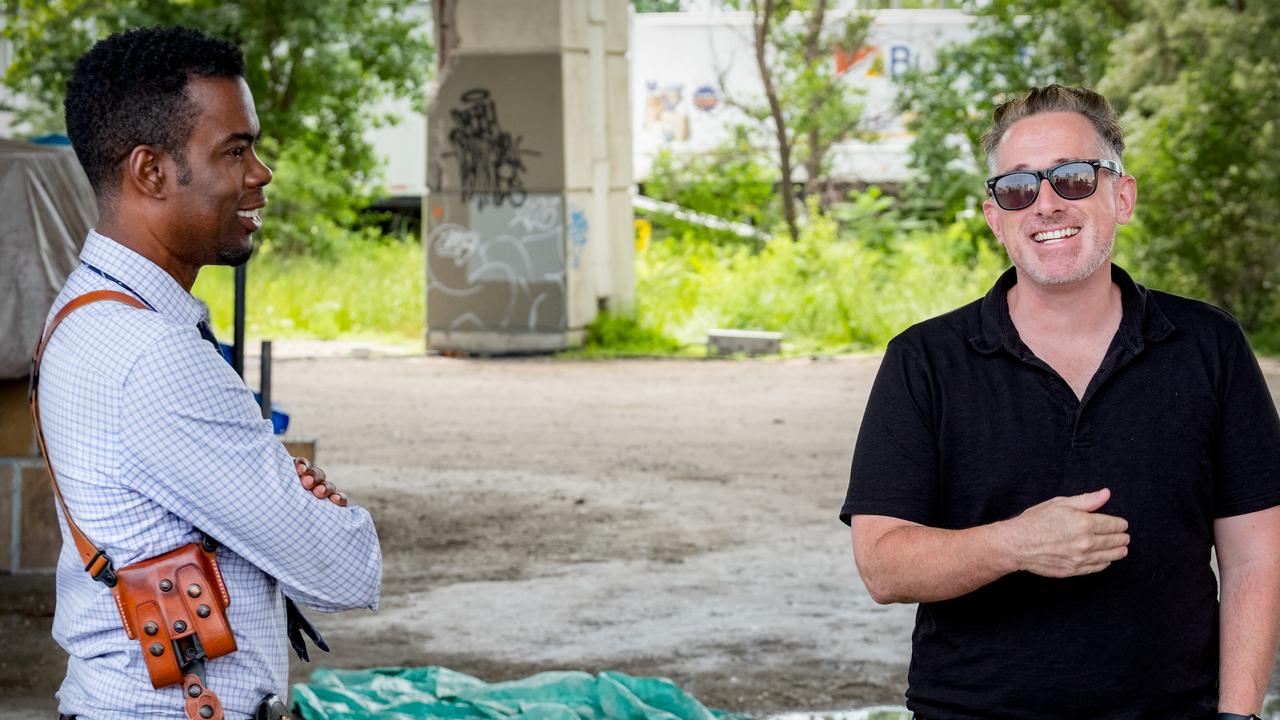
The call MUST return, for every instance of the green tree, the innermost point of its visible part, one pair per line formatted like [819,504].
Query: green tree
[730,182]
[807,106]
[1018,43]
[1199,82]
[317,70]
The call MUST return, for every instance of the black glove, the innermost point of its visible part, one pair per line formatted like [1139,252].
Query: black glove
[299,624]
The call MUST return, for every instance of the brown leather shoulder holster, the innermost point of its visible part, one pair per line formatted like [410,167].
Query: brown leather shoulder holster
[175,604]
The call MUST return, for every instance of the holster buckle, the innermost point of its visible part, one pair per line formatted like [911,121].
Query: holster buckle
[106,572]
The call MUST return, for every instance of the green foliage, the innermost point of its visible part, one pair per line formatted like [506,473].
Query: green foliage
[1196,85]
[805,107]
[1019,43]
[826,292]
[371,290]
[730,183]
[651,6]
[871,217]
[1204,142]
[316,70]
[622,335]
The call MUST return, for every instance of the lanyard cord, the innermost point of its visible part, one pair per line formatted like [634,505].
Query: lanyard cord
[119,282]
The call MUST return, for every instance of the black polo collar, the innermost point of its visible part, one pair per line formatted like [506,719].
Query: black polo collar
[1141,320]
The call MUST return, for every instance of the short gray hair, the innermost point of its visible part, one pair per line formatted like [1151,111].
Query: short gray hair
[1058,98]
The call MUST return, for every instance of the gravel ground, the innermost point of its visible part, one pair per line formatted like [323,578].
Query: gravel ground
[663,517]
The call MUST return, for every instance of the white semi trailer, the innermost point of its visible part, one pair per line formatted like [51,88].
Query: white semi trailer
[684,67]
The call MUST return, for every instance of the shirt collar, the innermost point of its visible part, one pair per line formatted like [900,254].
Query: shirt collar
[144,277]
[1141,318]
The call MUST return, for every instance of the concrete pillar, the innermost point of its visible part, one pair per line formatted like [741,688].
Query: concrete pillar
[528,223]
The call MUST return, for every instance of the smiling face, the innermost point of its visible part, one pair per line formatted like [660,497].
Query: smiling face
[219,188]
[1055,241]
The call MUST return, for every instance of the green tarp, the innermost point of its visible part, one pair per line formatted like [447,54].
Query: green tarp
[436,692]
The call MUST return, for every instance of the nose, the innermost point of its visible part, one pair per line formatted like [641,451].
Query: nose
[259,174]
[1048,201]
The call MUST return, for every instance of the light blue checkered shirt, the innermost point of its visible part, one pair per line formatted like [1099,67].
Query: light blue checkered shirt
[153,435]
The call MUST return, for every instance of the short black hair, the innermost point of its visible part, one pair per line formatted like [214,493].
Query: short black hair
[131,89]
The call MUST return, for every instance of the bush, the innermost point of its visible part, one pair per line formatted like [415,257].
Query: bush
[614,335]
[825,292]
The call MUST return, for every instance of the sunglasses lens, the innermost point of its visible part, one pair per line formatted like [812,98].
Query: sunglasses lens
[1074,180]
[1016,191]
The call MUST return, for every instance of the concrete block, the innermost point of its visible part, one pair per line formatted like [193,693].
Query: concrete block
[41,536]
[602,250]
[623,247]
[618,118]
[576,23]
[750,342]
[582,236]
[17,432]
[30,539]
[599,95]
[493,343]
[617,26]
[509,26]
[8,557]
[579,116]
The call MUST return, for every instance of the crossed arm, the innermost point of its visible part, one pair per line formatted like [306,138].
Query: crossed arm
[902,561]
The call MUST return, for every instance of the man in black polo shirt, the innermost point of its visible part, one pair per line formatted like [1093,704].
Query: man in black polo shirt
[1047,470]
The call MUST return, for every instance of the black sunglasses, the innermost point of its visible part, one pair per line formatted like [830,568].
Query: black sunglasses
[1073,180]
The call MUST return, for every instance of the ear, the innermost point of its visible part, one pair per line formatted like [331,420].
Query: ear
[1126,198]
[144,172]
[992,213]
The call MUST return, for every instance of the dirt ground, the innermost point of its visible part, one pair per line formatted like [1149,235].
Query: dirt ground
[673,518]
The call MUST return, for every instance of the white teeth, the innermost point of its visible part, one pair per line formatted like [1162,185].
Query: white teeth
[1055,234]
[249,214]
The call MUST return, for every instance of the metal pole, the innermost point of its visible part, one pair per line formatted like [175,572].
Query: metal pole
[264,382]
[237,351]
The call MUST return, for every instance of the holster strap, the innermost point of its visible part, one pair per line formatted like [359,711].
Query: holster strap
[201,702]
[95,559]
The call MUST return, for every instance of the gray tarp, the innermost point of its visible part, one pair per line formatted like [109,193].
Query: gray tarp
[46,208]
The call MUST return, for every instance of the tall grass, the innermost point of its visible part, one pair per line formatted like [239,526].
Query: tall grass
[366,290]
[824,292]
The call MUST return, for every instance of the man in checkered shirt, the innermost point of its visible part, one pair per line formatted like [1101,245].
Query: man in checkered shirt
[152,436]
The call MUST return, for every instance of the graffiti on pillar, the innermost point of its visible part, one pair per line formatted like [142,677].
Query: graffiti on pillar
[577,235]
[505,270]
[490,159]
